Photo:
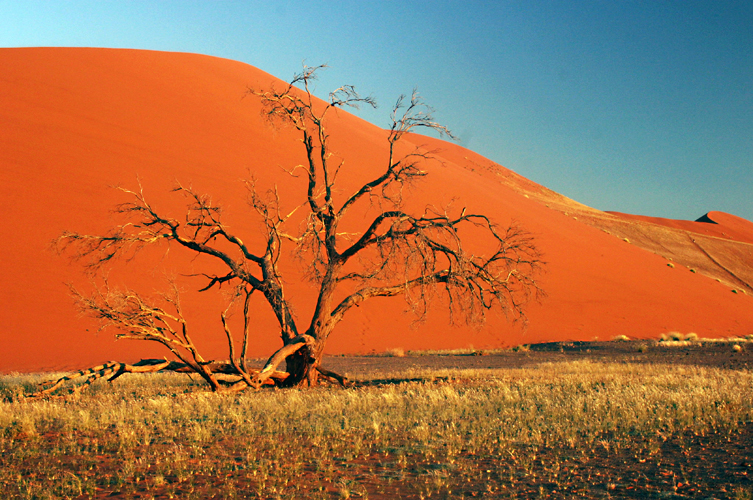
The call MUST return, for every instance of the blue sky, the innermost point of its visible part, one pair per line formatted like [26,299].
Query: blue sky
[637,106]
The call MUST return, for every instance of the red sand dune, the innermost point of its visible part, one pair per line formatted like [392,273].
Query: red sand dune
[75,121]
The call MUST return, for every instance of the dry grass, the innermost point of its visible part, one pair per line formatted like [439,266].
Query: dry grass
[677,339]
[465,351]
[396,352]
[433,436]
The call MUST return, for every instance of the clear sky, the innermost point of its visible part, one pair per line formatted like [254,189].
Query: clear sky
[643,107]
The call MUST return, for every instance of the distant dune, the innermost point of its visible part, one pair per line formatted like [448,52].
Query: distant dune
[75,121]
[714,224]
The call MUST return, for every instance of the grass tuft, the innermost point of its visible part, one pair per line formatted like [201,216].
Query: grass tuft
[395,352]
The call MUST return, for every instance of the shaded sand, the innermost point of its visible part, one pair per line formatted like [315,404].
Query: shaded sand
[75,121]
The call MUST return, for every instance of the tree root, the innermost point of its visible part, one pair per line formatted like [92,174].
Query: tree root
[333,377]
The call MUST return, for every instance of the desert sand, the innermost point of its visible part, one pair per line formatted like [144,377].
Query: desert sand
[75,122]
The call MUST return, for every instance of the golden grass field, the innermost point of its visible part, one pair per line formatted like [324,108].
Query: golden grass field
[582,425]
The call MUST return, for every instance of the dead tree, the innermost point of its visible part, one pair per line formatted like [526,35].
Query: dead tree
[416,255]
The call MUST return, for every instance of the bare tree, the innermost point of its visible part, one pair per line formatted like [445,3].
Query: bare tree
[416,255]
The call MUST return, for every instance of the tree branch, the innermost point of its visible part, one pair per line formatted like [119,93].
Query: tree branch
[278,357]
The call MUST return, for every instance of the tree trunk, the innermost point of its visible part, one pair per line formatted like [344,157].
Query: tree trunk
[302,365]
[299,365]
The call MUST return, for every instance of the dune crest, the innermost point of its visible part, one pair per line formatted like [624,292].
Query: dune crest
[75,121]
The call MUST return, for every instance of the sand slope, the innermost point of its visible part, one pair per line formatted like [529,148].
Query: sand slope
[75,121]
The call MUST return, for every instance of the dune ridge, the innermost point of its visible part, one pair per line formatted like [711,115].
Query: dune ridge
[74,121]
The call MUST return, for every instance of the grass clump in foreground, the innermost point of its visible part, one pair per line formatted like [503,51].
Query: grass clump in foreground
[556,429]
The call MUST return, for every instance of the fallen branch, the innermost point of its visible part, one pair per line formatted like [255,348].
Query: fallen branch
[115,369]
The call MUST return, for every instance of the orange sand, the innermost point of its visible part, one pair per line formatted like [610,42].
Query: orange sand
[75,121]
